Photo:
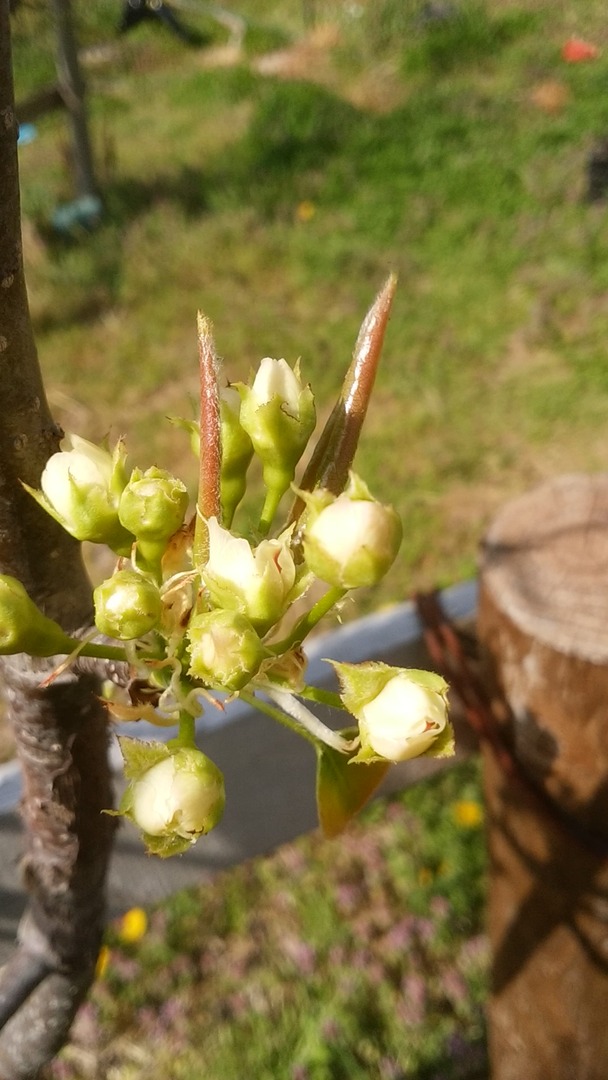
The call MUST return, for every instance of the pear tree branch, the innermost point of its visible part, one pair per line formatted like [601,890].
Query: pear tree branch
[60,730]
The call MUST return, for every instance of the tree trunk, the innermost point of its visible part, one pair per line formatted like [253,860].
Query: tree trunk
[60,731]
[544,628]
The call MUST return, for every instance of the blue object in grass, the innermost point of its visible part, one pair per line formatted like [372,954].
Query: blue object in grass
[27,134]
[82,213]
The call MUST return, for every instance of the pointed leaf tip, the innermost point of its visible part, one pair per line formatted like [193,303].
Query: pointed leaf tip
[343,788]
[208,502]
[334,453]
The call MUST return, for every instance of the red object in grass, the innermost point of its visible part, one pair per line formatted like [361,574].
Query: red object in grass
[575,50]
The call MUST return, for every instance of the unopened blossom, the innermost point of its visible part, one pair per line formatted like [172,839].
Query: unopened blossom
[81,489]
[225,651]
[127,605]
[255,581]
[402,712]
[153,504]
[350,540]
[278,414]
[23,627]
[180,796]
[403,721]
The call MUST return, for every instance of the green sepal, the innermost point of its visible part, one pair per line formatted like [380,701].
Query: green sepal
[444,745]
[191,427]
[165,846]
[361,683]
[139,756]
[343,788]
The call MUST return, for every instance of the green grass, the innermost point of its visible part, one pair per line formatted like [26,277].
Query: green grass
[494,373]
[343,960]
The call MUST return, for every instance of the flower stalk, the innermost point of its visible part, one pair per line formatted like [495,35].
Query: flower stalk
[319,731]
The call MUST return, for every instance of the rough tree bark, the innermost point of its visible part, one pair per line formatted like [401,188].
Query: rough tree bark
[543,623]
[61,731]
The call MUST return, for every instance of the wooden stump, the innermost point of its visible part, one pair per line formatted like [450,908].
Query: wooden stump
[543,626]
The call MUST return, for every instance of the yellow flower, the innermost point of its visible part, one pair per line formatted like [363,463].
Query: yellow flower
[133,926]
[468,814]
[305,210]
[102,962]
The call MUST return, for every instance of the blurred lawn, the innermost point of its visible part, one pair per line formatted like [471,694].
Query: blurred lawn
[278,205]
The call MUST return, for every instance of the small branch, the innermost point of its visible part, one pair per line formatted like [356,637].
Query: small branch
[61,735]
[18,979]
[72,89]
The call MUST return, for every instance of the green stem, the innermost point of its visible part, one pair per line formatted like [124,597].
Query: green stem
[100,652]
[279,716]
[274,494]
[308,621]
[186,736]
[148,558]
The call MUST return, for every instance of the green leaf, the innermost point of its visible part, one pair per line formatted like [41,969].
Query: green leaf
[344,787]
[334,452]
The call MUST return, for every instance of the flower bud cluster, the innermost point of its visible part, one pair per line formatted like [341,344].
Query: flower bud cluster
[228,613]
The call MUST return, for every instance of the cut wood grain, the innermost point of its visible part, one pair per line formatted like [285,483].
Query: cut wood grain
[543,627]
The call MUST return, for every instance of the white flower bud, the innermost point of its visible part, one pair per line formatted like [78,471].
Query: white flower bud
[181,796]
[257,582]
[127,605]
[225,651]
[275,379]
[403,721]
[351,540]
[81,488]
[278,414]
[402,712]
